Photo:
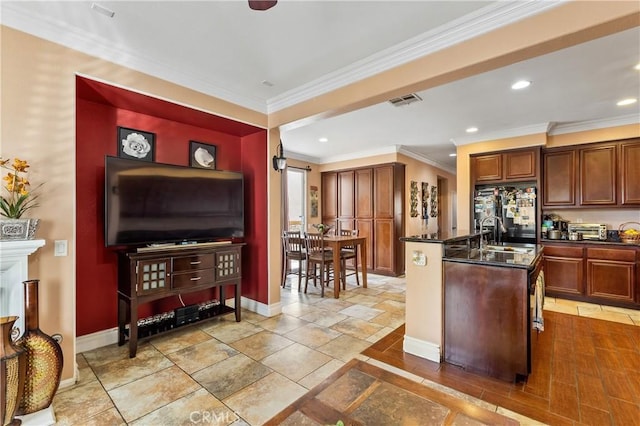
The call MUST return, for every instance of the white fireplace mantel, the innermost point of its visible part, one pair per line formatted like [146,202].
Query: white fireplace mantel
[14,269]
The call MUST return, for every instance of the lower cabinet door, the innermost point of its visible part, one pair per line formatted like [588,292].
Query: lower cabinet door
[610,279]
[564,275]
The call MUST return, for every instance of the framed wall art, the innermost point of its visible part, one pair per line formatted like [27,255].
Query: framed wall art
[136,144]
[202,155]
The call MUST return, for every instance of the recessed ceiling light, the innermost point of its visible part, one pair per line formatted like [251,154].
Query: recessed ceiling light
[102,10]
[267,83]
[520,84]
[637,67]
[472,130]
[453,154]
[323,140]
[627,101]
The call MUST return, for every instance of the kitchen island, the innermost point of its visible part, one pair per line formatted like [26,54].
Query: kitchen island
[437,289]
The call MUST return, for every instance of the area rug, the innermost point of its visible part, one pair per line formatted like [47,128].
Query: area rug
[364,394]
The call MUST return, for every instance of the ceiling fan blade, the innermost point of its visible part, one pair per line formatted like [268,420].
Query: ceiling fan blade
[262,4]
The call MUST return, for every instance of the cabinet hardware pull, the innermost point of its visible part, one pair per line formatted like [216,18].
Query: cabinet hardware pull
[196,263]
[196,278]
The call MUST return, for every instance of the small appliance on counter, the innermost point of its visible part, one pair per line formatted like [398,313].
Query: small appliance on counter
[589,231]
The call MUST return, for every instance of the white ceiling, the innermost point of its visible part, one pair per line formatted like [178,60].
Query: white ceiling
[305,48]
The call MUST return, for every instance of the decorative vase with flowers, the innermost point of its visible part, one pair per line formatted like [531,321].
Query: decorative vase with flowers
[18,200]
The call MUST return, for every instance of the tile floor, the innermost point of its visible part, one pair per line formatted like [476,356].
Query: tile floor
[222,372]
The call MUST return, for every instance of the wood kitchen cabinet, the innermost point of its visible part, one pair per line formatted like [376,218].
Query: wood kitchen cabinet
[611,274]
[592,175]
[598,175]
[630,172]
[564,270]
[559,178]
[514,165]
[371,200]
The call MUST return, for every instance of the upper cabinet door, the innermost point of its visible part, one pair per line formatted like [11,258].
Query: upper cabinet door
[630,172]
[329,195]
[384,192]
[346,194]
[520,165]
[487,168]
[364,193]
[559,178]
[598,175]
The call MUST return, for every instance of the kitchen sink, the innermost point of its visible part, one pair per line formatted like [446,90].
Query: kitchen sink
[507,249]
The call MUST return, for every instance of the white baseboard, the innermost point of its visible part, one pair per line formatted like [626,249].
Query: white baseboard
[108,337]
[421,348]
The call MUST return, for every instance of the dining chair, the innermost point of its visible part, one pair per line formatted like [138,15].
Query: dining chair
[349,252]
[317,256]
[293,249]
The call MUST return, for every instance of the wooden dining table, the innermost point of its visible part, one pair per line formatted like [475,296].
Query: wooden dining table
[336,243]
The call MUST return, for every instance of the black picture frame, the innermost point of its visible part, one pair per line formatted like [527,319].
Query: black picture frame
[202,159]
[136,144]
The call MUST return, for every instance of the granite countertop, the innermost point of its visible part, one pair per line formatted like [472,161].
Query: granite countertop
[508,258]
[607,242]
[443,236]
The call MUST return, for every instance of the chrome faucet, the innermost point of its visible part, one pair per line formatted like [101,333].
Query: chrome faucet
[502,228]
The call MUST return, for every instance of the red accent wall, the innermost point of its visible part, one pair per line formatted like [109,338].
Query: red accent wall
[96,136]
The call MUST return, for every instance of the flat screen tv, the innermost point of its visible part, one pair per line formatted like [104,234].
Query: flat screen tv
[152,203]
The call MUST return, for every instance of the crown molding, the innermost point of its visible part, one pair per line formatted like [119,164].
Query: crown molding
[61,33]
[503,134]
[393,149]
[482,21]
[405,150]
[582,126]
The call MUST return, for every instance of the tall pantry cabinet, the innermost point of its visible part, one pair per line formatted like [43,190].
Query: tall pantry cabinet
[371,200]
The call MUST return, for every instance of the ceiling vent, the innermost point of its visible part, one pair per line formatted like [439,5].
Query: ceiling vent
[405,100]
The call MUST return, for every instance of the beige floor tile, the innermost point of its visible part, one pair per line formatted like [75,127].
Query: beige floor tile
[197,357]
[627,311]
[398,296]
[318,376]
[152,392]
[126,370]
[363,300]
[250,403]
[591,309]
[109,417]
[357,328]
[249,316]
[85,373]
[390,306]
[313,335]
[230,331]
[380,334]
[558,307]
[610,316]
[344,347]
[79,403]
[362,312]
[296,361]
[261,345]
[199,407]
[369,291]
[179,339]
[324,318]
[334,305]
[282,324]
[298,309]
[390,319]
[230,375]
[110,353]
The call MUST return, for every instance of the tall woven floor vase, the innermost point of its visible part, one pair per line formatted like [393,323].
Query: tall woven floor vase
[44,357]
[13,364]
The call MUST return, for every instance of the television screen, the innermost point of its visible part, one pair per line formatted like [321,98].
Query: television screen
[147,203]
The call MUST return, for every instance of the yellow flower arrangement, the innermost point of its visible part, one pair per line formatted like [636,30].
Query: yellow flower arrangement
[19,198]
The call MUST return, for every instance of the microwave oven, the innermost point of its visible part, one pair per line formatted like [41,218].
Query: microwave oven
[590,231]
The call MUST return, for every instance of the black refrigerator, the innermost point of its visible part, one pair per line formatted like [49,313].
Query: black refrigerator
[515,204]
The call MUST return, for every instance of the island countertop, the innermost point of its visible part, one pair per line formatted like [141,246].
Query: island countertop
[511,255]
[441,237]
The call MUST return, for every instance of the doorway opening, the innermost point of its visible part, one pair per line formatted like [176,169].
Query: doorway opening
[296,200]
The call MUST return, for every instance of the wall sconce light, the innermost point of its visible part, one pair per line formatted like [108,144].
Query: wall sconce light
[279,161]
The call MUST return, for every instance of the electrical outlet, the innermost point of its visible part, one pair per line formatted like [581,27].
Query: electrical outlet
[60,248]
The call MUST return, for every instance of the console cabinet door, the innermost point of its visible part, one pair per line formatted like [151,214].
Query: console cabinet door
[488,168]
[153,276]
[559,178]
[598,175]
[630,173]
